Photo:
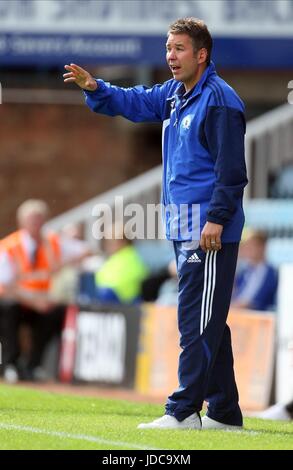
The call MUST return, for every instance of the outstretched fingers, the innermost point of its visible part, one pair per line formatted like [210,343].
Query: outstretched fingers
[69,77]
[74,73]
[80,76]
[75,69]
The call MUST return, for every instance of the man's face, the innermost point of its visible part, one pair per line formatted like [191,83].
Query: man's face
[255,250]
[182,59]
[33,223]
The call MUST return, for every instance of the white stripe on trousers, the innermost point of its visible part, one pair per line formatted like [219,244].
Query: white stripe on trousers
[208,289]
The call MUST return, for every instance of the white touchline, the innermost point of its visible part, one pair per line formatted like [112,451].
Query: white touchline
[66,435]
[242,431]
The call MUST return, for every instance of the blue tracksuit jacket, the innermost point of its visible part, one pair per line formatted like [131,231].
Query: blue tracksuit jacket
[203,147]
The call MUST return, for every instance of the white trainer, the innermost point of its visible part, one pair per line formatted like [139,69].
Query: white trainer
[10,374]
[169,422]
[209,423]
[275,412]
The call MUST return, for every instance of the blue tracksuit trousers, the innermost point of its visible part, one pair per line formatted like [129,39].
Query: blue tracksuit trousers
[206,361]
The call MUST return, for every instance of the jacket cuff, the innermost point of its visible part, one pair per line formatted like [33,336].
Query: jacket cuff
[101,86]
[216,220]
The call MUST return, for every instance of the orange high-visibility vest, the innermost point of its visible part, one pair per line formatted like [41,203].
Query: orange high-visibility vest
[33,277]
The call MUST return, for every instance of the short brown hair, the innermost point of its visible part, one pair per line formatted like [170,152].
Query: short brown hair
[198,32]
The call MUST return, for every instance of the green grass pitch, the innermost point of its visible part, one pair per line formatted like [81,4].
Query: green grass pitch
[31,419]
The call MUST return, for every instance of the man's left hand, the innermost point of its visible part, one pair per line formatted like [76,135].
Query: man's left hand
[211,237]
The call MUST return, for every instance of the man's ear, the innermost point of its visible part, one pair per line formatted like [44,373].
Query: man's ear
[202,55]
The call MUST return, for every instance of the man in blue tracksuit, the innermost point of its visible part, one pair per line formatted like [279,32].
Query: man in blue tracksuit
[203,179]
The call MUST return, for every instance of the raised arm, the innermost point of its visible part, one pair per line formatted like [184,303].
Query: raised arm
[138,104]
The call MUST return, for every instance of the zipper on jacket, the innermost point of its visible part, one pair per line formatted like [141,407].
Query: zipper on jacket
[177,111]
[176,118]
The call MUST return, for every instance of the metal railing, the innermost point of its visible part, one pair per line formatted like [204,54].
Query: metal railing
[143,189]
[269,145]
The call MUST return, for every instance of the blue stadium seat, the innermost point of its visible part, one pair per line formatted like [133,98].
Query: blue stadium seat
[87,288]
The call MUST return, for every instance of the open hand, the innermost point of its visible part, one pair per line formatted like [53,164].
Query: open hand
[81,77]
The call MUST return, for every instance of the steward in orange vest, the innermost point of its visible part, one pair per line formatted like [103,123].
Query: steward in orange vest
[33,276]
[28,260]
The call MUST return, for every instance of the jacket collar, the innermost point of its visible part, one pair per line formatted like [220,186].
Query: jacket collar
[197,89]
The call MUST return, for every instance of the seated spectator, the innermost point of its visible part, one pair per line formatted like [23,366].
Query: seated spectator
[152,284]
[28,259]
[156,255]
[168,292]
[256,281]
[65,283]
[120,278]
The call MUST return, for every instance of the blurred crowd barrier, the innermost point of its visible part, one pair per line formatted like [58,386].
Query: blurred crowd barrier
[137,347]
[253,345]
[100,344]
